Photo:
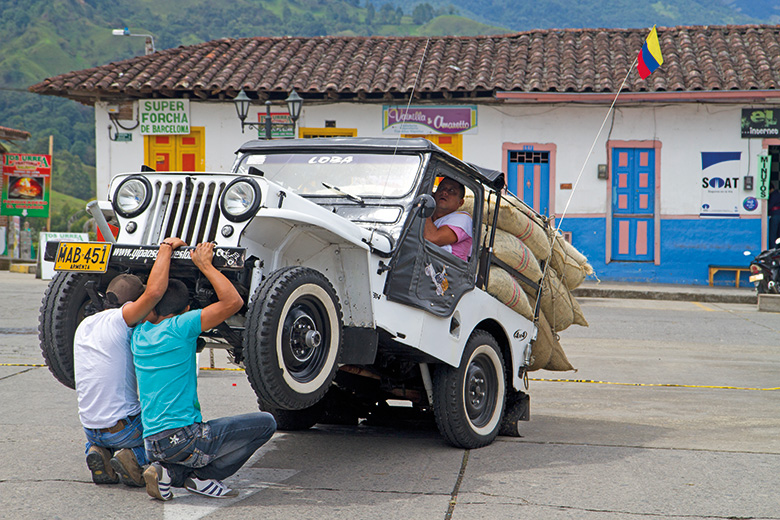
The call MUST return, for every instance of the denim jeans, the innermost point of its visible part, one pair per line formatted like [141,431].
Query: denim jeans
[211,450]
[130,437]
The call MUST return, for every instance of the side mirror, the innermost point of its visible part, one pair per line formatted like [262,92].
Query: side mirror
[425,205]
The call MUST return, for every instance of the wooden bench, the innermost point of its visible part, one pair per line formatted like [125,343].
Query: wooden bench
[736,268]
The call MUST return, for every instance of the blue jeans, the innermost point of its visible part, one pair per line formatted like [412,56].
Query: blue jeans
[211,450]
[130,437]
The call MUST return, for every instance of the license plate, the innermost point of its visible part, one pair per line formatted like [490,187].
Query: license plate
[85,257]
[757,277]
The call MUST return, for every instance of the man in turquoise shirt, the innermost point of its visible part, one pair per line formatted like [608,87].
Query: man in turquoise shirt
[188,452]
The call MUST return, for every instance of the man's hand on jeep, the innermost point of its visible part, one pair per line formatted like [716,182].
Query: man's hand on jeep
[175,242]
[202,255]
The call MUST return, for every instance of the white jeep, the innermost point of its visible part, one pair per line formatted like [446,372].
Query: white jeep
[347,305]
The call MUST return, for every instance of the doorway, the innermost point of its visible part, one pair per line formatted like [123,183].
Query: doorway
[183,153]
[633,204]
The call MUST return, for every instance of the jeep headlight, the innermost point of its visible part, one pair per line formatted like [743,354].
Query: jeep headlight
[240,199]
[132,196]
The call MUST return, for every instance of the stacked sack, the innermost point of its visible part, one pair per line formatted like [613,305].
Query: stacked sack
[523,241]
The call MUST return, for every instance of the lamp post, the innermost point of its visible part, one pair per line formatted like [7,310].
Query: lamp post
[242,102]
[148,44]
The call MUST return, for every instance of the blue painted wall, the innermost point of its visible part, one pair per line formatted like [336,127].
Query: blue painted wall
[688,247]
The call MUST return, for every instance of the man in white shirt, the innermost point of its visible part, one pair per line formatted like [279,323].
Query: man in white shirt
[109,409]
[449,228]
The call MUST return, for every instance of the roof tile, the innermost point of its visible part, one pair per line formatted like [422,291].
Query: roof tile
[569,60]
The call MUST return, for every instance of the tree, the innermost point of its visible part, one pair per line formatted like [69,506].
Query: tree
[422,14]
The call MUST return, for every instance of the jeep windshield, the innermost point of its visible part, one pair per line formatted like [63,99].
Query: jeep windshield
[359,174]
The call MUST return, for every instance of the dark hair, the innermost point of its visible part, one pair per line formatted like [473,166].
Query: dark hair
[461,188]
[175,299]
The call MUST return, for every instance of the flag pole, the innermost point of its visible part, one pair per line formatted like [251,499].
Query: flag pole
[592,146]
[576,183]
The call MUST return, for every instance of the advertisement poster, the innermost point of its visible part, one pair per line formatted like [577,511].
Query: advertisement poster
[721,186]
[26,185]
[760,122]
[398,120]
[281,126]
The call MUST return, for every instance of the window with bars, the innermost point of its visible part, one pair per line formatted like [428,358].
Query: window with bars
[531,157]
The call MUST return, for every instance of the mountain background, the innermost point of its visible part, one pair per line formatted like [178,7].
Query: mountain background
[43,38]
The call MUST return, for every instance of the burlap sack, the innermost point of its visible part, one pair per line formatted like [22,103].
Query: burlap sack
[560,307]
[508,291]
[519,224]
[570,263]
[512,251]
[547,352]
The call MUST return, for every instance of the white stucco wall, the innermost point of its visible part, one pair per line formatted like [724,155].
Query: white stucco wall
[684,130]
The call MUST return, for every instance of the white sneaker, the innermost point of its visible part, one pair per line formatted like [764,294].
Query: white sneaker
[158,482]
[211,488]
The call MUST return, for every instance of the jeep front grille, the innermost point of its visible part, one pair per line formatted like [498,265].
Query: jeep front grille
[185,208]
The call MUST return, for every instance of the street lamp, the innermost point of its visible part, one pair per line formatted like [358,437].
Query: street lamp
[149,43]
[294,107]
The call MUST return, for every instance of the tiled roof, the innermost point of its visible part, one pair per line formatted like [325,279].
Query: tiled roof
[700,58]
[10,134]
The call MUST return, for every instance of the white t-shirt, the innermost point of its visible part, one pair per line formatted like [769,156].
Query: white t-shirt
[103,366]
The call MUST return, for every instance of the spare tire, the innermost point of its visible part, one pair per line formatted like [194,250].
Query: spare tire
[63,307]
[293,338]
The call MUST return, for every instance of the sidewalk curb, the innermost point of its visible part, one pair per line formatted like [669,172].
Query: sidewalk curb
[651,294]
[22,268]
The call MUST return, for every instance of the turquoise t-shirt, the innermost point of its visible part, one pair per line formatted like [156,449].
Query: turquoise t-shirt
[166,370]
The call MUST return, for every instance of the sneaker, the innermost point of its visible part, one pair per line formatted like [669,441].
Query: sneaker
[97,462]
[126,466]
[211,488]
[158,482]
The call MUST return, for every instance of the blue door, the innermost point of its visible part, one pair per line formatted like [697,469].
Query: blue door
[528,177]
[633,204]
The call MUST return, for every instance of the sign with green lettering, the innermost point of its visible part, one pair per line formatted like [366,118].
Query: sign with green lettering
[760,122]
[764,168]
[164,116]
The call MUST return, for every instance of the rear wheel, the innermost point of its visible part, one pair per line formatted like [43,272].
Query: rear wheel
[293,339]
[63,307]
[468,401]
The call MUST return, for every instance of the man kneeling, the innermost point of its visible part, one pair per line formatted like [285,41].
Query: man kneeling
[187,452]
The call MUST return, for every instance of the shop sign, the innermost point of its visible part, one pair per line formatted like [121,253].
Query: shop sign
[164,116]
[281,126]
[401,119]
[760,122]
[720,185]
[26,185]
[764,168]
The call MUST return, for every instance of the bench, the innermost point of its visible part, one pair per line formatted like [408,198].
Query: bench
[736,268]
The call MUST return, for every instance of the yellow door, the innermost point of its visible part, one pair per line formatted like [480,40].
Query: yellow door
[184,153]
[450,143]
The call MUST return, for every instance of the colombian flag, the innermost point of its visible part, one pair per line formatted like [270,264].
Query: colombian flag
[650,57]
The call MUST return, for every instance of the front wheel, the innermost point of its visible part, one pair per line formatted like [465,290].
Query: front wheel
[293,338]
[468,401]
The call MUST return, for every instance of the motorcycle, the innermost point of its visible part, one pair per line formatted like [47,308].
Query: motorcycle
[765,270]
